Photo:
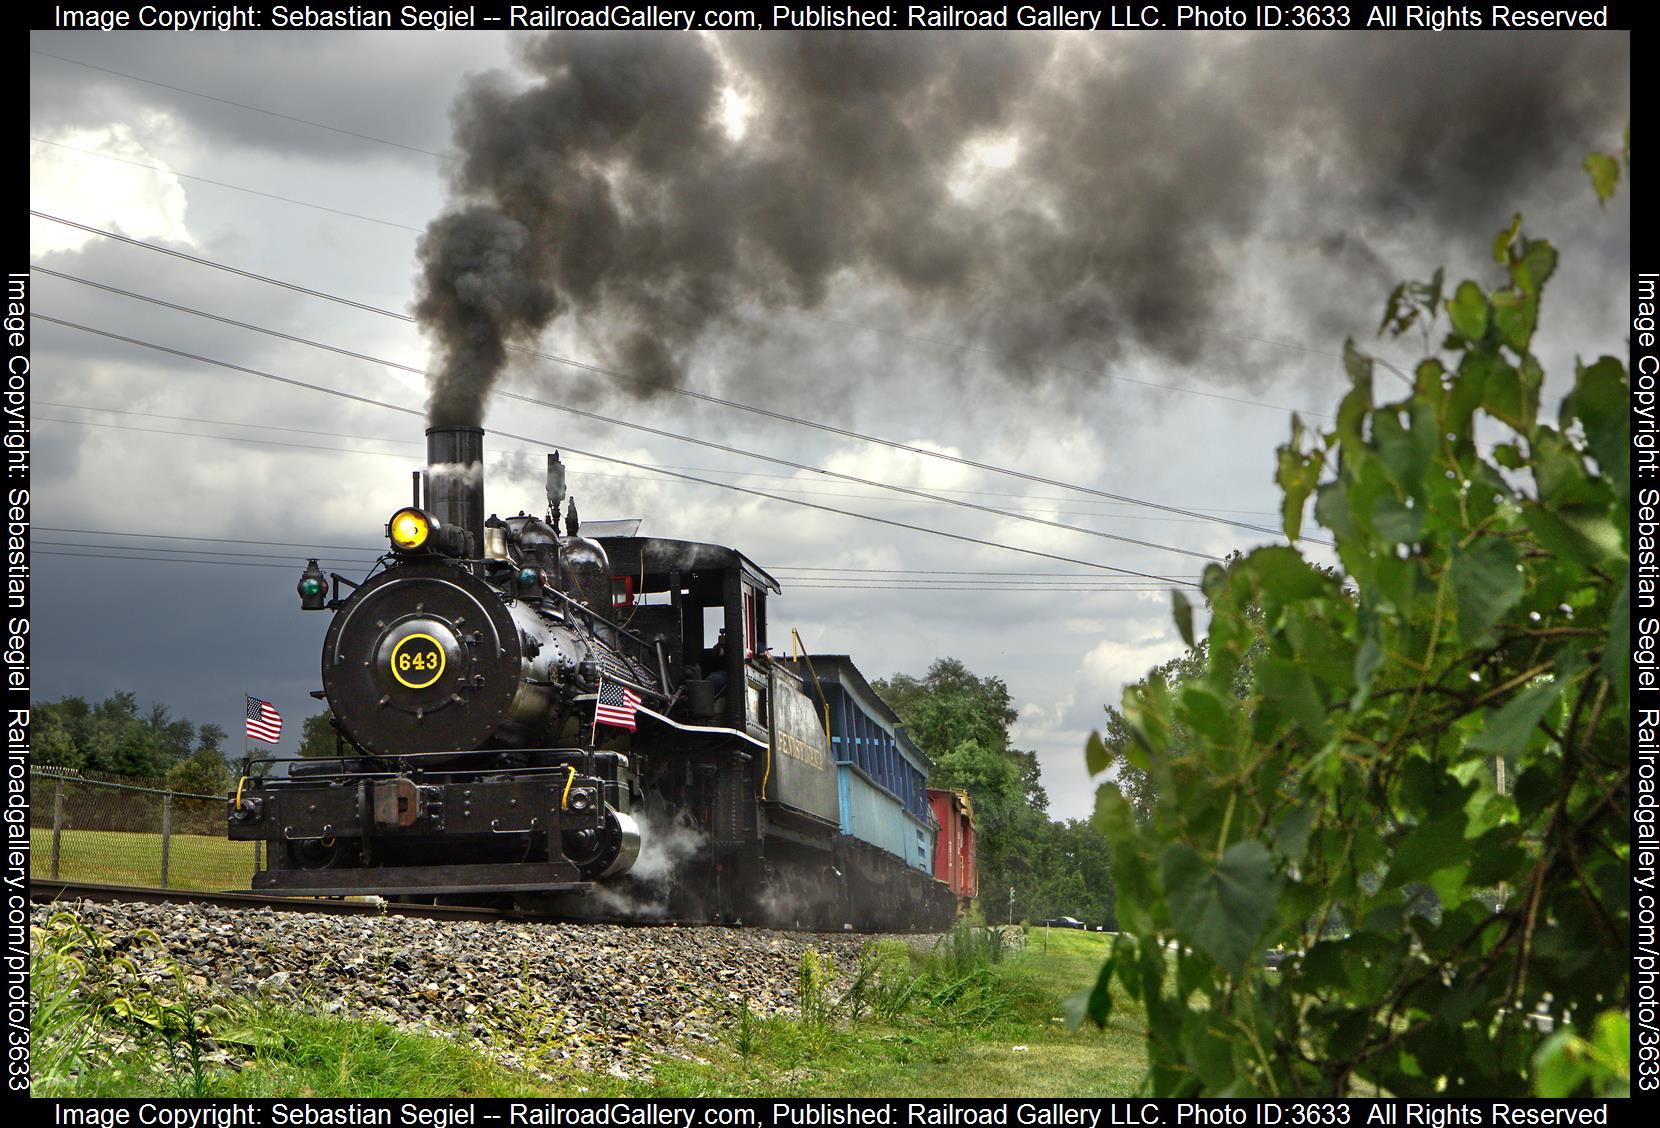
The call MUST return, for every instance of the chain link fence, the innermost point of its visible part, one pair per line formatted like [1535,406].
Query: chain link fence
[110,833]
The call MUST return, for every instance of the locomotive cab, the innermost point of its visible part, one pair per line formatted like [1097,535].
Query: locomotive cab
[705,606]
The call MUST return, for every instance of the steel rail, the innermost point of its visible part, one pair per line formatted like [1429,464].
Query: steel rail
[47,891]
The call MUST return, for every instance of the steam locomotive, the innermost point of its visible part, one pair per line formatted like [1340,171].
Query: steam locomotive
[559,722]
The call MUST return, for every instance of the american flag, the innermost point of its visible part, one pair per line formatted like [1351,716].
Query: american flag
[264,722]
[615,705]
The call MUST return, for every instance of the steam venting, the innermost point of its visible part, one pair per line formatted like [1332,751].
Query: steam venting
[670,848]
[1057,198]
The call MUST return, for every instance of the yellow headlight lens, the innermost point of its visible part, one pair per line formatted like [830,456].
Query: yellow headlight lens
[409,529]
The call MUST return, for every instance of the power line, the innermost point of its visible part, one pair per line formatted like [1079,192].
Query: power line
[701,396]
[595,416]
[164,559]
[226,438]
[214,540]
[611,458]
[919,571]
[945,588]
[222,184]
[574,463]
[245,106]
[810,587]
[217,552]
[159,249]
[373,548]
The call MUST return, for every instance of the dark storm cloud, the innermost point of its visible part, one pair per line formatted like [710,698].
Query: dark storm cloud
[1140,173]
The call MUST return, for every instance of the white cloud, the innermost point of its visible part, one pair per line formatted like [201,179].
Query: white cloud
[73,178]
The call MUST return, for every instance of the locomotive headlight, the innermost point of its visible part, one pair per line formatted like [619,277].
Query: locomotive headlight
[409,530]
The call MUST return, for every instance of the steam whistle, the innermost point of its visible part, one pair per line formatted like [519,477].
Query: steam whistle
[556,487]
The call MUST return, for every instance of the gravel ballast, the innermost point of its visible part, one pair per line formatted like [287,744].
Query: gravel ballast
[549,998]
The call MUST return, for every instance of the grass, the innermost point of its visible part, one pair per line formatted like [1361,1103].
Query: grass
[101,1027]
[957,1023]
[115,857]
[966,1020]
[304,1055]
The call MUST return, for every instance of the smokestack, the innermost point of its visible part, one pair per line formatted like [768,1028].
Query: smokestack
[455,480]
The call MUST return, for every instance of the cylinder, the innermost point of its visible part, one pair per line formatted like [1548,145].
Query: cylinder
[455,480]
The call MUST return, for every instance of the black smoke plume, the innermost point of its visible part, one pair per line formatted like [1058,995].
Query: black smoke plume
[609,192]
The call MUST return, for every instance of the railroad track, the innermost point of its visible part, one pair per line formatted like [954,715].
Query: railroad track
[65,892]
[48,892]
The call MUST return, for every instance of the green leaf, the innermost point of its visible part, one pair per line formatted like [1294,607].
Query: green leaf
[1290,832]
[1285,575]
[1395,447]
[1601,402]
[1431,847]
[1183,611]
[1392,312]
[1292,687]
[1429,381]
[1533,269]
[1297,476]
[1503,395]
[1206,713]
[1095,1003]
[1397,582]
[1616,656]
[1502,241]
[1395,523]
[1575,533]
[1509,728]
[1358,364]
[1604,172]
[1354,406]
[1514,316]
[1221,909]
[1468,392]
[1486,583]
[259,1037]
[1368,658]
[1096,756]
[1560,1066]
[1468,310]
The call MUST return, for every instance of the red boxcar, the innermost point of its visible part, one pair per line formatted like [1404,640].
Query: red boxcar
[954,849]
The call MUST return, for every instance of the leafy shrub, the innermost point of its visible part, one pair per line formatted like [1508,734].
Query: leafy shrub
[1422,793]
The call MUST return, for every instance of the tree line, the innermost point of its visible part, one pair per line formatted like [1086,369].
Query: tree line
[116,737]
[1055,868]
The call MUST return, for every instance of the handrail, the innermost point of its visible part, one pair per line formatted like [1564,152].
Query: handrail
[795,640]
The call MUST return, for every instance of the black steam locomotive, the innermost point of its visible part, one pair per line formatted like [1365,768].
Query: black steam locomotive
[559,722]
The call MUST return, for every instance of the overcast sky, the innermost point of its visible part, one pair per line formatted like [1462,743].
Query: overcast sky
[1115,261]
